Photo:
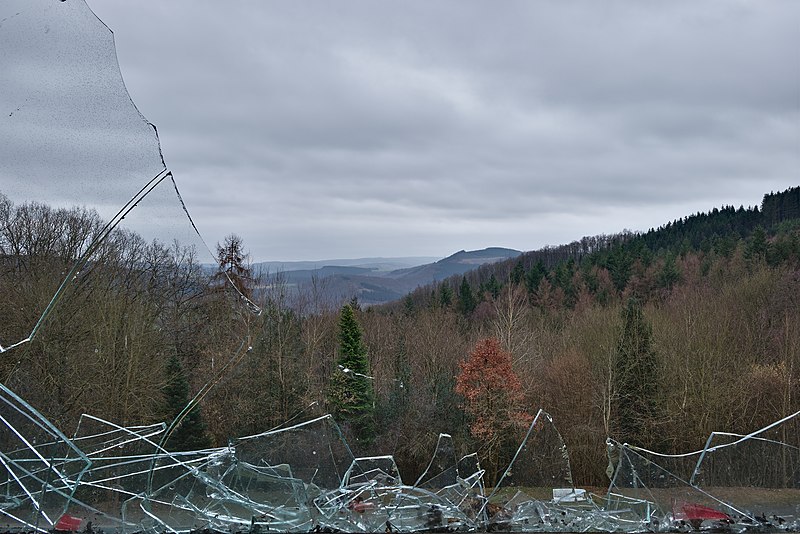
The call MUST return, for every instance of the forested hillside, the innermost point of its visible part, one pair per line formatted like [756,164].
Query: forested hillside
[656,338]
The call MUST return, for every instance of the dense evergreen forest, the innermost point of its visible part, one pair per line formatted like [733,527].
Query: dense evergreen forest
[655,338]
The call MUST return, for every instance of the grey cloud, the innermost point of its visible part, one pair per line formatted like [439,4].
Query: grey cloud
[362,128]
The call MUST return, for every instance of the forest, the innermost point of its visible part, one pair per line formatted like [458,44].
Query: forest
[655,338]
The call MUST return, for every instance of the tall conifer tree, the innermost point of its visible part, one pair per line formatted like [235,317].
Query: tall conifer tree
[637,409]
[466,299]
[351,394]
[191,433]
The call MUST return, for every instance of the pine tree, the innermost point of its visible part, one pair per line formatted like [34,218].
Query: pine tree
[517,273]
[191,433]
[636,375]
[466,299]
[233,265]
[492,286]
[350,393]
[409,308]
[620,266]
[669,275]
[562,277]
[757,246]
[445,295]
[535,276]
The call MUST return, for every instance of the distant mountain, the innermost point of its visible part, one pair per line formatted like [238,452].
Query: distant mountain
[459,263]
[371,264]
[371,281]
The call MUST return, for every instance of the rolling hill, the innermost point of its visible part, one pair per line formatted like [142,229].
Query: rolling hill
[370,281]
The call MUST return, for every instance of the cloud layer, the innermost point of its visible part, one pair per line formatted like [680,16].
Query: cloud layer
[357,128]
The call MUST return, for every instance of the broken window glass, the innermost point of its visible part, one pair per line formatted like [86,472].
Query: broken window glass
[758,473]
[745,480]
[536,492]
[40,468]
[442,471]
[316,451]
[73,138]
[293,479]
[91,218]
[652,488]
[85,186]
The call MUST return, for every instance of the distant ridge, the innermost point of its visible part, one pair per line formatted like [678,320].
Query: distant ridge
[458,263]
[769,232]
[372,280]
[377,264]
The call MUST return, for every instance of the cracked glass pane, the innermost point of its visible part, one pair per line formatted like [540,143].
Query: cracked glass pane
[41,468]
[442,471]
[536,491]
[315,450]
[271,496]
[374,470]
[758,473]
[71,131]
[120,463]
[105,483]
[73,138]
[748,480]
[469,491]
[86,195]
[654,489]
[92,222]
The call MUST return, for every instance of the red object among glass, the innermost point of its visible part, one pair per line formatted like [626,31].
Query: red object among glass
[68,523]
[695,514]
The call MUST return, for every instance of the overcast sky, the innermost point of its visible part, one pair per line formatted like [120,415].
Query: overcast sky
[418,128]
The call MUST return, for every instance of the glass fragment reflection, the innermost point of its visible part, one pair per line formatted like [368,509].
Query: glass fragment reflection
[294,480]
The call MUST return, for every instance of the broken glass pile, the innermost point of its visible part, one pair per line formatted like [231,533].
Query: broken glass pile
[305,478]
[736,481]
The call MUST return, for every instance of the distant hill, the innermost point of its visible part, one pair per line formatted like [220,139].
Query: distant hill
[769,231]
[372,282]
[718,231]
[459,263]
[371,264]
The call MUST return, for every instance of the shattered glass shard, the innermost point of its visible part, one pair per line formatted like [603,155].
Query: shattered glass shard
[374,470]
[41,468]
[539,468]
[263,482]
[70,129]
[758,473]
[73,137]
[744,480]
[442,471]
[316,450]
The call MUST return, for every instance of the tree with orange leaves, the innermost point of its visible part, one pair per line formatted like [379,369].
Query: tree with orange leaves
[493,399]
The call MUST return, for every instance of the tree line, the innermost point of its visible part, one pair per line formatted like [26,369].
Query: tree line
[656,339]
